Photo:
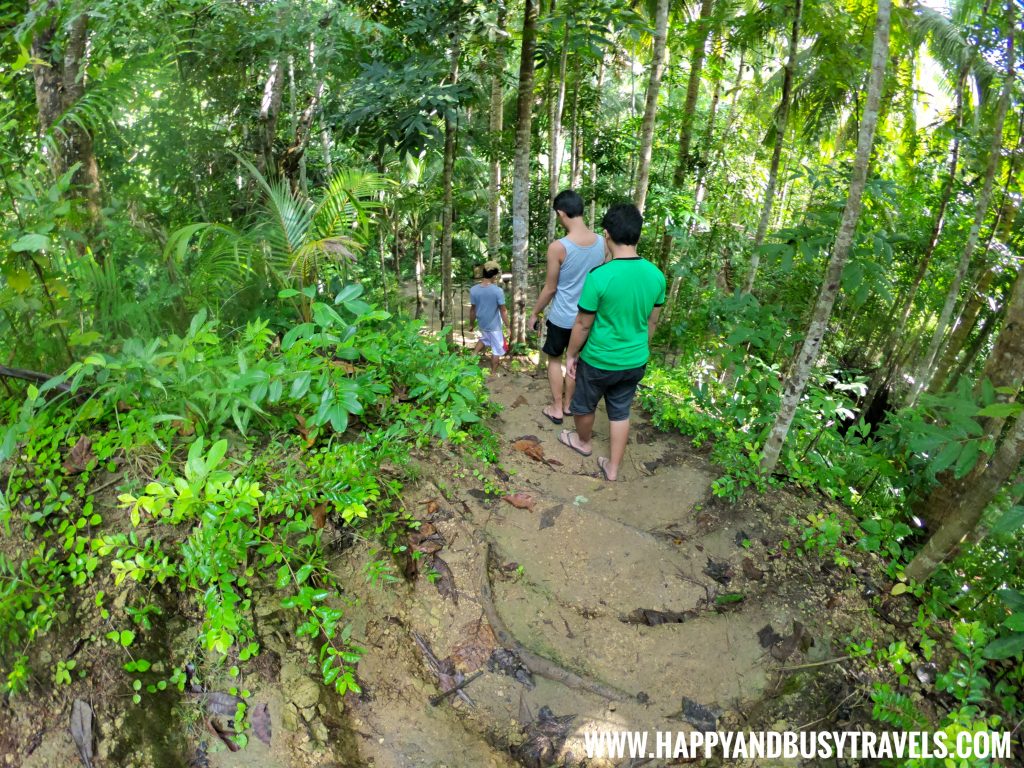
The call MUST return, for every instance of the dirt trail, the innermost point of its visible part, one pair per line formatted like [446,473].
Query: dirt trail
[568,573]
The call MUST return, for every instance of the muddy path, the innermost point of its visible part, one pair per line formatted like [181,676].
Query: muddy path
[571,578]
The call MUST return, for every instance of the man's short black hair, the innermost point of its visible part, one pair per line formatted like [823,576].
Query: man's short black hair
[489,273]
[623,223]
[569,202]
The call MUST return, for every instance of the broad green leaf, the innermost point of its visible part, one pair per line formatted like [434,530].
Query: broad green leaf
[1001,410]
[1005,647]
[968,458]
[31,242]
[1010,522]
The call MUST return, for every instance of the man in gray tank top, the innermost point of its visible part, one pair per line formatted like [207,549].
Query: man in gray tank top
[569,261]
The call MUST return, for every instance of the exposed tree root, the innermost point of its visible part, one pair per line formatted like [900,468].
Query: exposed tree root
[538,665]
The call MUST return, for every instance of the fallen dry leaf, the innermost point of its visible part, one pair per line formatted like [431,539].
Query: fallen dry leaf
[445,582]
[320,515]
[531,449]
[81,730]
[520,500]
[518,401]
[474,651]
[79,456]
[259,716]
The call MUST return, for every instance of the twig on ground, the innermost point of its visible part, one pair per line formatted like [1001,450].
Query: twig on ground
[438,698]
[826,662]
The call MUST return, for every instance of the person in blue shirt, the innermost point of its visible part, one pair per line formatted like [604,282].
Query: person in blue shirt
[487,307]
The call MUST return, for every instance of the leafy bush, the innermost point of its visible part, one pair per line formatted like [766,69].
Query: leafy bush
[232,452]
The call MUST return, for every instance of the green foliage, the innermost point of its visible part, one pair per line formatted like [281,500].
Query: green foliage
[231,441]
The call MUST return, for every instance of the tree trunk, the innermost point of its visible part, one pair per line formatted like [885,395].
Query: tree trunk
[418,247]
[961,332]
[651,108]
[689,107]
[781,118]
[796,382]
[450,130]
[886,362]
[924,372]
[270,107]
[59,85]
[593,148]
[575,155]
[1004,368]
[521,176]
[495,127]
[962,509]
[985,328]
[294,161]
[555,134]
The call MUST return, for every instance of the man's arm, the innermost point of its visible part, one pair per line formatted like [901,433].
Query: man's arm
[556,254]
[580,333]
[504,315]
[652,324]
[472,316]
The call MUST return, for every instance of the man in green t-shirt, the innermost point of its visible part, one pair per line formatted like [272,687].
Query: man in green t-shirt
[618,312]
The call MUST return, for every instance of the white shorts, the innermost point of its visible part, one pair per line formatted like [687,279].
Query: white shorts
[495,340]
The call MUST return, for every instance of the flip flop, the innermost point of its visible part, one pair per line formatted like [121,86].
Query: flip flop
[551,418]
[601,462]
[564,439]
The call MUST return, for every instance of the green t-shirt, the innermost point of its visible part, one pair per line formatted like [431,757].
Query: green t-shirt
[621,293]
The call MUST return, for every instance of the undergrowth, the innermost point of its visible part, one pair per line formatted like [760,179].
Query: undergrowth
[205,471]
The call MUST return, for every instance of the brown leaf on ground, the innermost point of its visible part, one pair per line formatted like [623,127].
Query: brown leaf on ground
[529,445]
[223,733]
[750,570]
[259,716]
[79,456]
[474,651]
[320,515]
[445,582]
[432,507]
[520,500]
[518,401]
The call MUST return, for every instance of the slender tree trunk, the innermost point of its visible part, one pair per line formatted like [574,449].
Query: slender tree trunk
[977,297]
[555,133]
[594,145]
[270,107]
[886,362]
[961,332]
[962,509]
[574,134]
[985,328]
[418,246]
[781,118]
[689,107]
[709,137]
[926,367]
[496,126]
[59,85]
[1004,369]
[294,160]
[521,176]
[651,107]
[450,131]
[796,382]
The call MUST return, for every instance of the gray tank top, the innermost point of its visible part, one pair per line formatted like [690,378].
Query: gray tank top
[577,263]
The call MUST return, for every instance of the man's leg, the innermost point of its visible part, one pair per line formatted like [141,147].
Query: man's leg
[556,380]
[570,389]
[584,430]
[619,399]
[619,437]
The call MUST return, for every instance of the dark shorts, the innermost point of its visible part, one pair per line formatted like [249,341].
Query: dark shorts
[556,341]
[616,387]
